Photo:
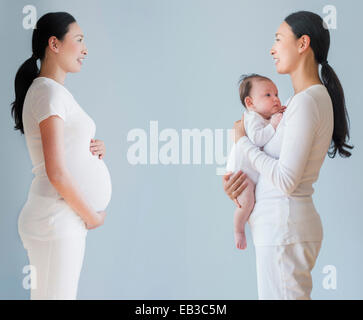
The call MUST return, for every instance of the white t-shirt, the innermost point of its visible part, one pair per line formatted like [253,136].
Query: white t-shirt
[259,131]
[46,215]
[284,212]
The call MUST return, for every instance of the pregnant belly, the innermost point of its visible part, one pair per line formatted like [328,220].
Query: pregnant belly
[93,178]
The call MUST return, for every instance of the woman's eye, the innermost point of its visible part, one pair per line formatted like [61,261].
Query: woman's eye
[268,95]
[80,40]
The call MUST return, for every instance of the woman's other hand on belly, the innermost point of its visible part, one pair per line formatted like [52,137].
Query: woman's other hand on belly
[97,147]
[96,221]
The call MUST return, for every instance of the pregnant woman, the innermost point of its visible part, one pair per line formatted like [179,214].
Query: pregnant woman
[71,187]
[285,225]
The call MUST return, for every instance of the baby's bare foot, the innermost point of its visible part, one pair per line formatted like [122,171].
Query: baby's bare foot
[240,240]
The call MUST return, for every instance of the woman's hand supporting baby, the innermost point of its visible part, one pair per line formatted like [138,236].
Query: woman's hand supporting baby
[239,129]
[234,184]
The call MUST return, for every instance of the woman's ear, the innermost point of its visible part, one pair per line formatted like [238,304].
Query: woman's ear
[53,44]
[304,43]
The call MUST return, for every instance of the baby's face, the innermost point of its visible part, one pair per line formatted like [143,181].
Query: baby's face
[264,98]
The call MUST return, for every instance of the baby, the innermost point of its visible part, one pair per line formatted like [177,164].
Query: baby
[263,113]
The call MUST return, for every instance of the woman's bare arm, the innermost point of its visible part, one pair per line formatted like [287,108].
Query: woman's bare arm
[51,130]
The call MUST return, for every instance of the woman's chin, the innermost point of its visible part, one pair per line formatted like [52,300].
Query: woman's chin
[281,70]
[75,68]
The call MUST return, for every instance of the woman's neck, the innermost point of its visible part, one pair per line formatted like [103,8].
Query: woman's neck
[52,71]
[305,75]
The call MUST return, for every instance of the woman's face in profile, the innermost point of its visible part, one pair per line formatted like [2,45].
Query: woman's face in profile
[72,49]
[285,49]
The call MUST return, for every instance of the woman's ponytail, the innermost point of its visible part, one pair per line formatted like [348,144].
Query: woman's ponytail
[341,118]
[25,75]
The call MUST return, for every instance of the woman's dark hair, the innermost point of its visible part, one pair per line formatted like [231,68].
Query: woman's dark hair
[51,24]
[245,84]
[312,25]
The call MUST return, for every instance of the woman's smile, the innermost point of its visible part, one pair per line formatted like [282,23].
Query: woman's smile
[80,60]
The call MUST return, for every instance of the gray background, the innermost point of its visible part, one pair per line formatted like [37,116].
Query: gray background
[168,234]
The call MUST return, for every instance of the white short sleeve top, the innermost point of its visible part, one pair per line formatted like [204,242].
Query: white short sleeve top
[46,97]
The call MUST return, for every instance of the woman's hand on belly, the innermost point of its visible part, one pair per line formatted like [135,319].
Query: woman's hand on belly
[234,184]
[96,221]
[97,147]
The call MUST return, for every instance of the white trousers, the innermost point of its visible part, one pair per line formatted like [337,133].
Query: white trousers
[57,265]
[284,271]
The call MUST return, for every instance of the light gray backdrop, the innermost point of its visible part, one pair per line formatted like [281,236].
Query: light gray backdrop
[169,231]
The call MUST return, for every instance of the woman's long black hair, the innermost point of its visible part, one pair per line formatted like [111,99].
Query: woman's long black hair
[51,24]
[312,25]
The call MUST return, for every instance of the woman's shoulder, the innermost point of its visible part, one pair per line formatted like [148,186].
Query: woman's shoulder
[46,88]
[313,103]
[46,94]
[314,95]
[315,98]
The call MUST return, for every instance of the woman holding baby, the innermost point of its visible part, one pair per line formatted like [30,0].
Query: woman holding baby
[285,226]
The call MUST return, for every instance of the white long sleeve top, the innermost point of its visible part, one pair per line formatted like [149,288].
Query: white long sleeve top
[258,129]
[288,166]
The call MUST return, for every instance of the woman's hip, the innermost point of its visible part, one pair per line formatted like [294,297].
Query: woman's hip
[49,220]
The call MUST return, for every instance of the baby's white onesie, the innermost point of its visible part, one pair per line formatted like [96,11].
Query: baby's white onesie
[259,131]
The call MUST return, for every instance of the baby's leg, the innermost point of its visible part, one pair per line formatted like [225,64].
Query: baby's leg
[241,215]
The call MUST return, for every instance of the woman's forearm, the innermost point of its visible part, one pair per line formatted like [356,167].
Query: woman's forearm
[67,187]
[285,173]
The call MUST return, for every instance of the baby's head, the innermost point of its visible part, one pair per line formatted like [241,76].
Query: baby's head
[259,94]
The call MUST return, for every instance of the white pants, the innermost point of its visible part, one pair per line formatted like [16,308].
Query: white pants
[284,272]
[57,264]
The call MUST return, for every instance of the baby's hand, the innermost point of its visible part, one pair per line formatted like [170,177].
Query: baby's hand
[283,108]
[275,119]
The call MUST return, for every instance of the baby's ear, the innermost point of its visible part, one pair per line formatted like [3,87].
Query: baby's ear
[248,102]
